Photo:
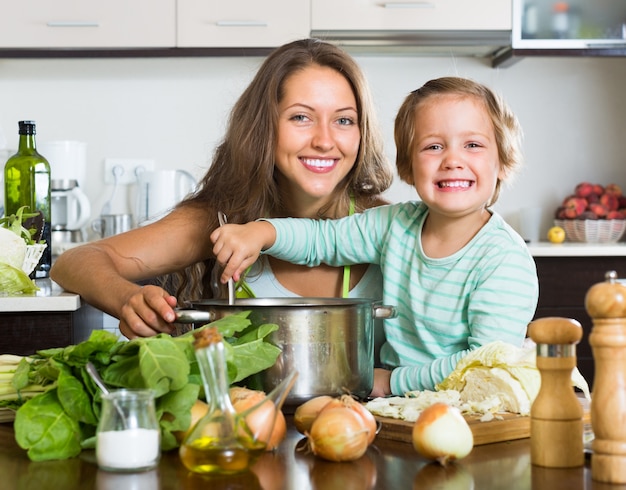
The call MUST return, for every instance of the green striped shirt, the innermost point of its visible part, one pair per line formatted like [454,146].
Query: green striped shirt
[486,291]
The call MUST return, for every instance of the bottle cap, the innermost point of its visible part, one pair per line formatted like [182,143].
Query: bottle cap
[26,127]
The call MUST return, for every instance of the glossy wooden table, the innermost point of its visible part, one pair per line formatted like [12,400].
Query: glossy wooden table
[386,465]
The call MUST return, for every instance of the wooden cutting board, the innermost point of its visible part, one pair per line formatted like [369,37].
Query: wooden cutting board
[511,427]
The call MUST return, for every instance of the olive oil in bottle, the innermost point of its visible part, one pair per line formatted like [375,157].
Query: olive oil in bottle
[27,183]
[221,442]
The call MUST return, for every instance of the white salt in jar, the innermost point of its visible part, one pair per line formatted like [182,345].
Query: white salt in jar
[128,436]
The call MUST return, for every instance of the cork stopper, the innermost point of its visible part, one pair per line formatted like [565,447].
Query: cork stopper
[555,330]
[607,299]
[205,337]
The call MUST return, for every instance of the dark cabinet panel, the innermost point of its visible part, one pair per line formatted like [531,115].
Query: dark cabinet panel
[23,333]
[563,285]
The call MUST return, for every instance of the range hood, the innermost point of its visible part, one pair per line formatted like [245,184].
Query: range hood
[478,43]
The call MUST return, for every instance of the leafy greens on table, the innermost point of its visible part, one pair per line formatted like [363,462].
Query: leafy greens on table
[61,419]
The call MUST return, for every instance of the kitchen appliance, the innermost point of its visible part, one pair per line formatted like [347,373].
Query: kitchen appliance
[69,211]
[329,341]
[70,208]
[112,224]
[158,191]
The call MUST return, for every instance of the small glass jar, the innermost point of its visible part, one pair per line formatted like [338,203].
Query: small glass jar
[128,436]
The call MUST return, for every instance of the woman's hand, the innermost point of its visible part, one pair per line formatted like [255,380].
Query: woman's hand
[382,383]
[148,312]
[237,247]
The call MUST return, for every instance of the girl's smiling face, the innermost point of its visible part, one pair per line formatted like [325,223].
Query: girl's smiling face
[455,156]
[318,135]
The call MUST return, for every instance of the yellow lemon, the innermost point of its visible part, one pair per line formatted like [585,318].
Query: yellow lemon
[556,234]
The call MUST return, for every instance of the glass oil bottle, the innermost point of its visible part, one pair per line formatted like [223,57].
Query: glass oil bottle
[221,442]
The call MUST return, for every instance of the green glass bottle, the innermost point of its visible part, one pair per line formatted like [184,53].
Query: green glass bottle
[27,183]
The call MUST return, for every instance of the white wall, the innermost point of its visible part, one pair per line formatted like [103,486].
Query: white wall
[173,110]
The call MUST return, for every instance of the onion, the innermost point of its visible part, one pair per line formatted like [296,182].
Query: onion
[259,421]
[441,433]
[263,418]
[369,421]
[306,413]
[338,434]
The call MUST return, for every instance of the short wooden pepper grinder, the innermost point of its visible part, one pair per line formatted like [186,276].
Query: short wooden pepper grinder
[606,304]
[556,415]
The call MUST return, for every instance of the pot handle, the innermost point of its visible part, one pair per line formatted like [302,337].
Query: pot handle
[194,316]
[385,311]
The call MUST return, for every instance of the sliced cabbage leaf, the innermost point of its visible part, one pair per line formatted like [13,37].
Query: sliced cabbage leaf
[519,362]
[14,281]
[12,248]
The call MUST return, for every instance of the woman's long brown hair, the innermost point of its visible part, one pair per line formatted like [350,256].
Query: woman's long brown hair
[241,180]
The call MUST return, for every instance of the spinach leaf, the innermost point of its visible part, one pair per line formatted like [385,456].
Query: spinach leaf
[61,421]
[174,411]
[44,429]
[163,365]
[75,399]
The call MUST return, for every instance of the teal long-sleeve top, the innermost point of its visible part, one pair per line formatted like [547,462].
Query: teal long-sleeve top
[486,291]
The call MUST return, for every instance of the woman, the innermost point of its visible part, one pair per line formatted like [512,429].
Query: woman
[301,141]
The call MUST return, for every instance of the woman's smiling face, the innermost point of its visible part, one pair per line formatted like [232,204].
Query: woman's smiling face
[455,155]
[318,134]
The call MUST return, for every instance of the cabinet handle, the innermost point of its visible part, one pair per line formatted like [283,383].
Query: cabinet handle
[411,5]
[241,23]
[72,24]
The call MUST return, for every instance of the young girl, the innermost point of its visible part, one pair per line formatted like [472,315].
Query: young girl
[458,274]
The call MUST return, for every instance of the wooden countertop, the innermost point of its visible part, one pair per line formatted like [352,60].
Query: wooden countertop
[386,465]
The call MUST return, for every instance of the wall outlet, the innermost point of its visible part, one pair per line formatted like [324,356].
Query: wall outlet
[126,169]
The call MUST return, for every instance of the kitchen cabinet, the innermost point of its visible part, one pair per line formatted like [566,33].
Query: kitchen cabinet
[87,23]
[480,28]
[241,23]
[50,318]
[563,285]
[428,15]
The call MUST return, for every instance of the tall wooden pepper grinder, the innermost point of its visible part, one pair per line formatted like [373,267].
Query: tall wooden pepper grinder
[556,415]
[606,304]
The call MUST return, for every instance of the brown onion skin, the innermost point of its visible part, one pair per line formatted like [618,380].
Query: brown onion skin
[368,418]
[244,398]
[307,412]
[338,434]
[432,439]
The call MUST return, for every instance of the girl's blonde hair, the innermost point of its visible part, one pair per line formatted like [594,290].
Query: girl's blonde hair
[507,129]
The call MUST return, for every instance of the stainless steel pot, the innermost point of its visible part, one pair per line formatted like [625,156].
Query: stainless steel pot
[330,342]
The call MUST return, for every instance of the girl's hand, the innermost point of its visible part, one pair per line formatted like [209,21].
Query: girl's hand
[382,383]
[148,312]
[237,247]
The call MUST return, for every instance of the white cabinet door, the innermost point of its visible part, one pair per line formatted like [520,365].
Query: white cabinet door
[87,23]
[242,23]
[345,15]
